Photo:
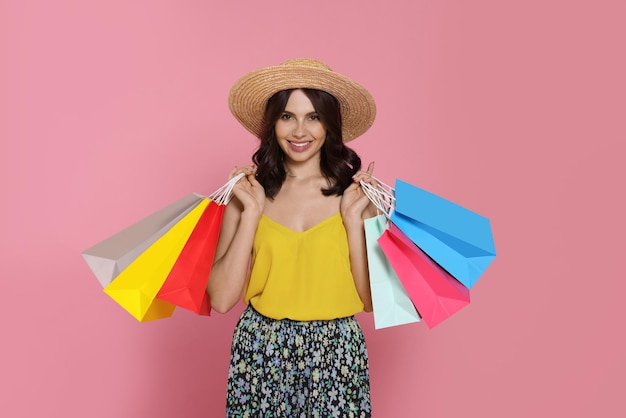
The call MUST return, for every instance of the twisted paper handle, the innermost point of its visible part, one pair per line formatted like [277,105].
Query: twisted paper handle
[381,195]
[223,195]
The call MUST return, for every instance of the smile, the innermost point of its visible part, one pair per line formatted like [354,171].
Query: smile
[299,146]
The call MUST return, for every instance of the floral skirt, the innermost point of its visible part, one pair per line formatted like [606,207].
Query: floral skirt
[285,368]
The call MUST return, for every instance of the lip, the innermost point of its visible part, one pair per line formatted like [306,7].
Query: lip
[299,146]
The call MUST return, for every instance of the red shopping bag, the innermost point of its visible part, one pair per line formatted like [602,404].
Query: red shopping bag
[434,292]
[186,283]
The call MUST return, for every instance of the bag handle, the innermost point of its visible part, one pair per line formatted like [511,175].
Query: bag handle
[223,195]
[381,195]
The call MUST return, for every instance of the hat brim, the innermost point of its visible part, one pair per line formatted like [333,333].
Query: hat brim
[249,95]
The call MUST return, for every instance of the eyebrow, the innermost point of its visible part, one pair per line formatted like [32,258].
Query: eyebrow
[292,114]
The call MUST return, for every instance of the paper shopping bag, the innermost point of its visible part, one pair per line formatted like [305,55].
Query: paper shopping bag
[136,287]
[435,293]
[392,305]
[109,257]
[186,283]
[458,239]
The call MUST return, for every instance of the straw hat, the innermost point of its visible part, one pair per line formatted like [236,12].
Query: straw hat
[249,95]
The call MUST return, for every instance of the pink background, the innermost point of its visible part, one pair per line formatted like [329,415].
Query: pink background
[113,109]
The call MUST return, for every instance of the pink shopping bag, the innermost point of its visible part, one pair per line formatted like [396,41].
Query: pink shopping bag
[434,292]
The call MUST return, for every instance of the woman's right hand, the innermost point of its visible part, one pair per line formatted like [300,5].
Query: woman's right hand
[249,191]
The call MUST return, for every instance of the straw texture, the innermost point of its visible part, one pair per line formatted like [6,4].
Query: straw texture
[249,95]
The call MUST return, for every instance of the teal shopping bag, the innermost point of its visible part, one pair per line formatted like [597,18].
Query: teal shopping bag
[392,306]
[459,240]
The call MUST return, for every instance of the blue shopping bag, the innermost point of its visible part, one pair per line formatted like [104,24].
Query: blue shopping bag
[457,239]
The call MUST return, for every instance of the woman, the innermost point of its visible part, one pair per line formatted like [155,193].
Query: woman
[292,242]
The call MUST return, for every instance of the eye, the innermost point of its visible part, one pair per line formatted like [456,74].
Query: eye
[285,116]
[314,117]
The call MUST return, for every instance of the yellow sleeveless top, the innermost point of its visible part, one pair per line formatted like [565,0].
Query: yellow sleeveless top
[302,276]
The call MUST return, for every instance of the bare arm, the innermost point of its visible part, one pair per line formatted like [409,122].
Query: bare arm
[355,207]
[232,256]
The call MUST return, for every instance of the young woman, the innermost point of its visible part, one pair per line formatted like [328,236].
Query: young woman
[293,244]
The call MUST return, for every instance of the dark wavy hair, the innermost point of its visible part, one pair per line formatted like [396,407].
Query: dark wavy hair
[338,162]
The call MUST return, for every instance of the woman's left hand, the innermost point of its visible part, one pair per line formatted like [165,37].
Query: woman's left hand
[355,205]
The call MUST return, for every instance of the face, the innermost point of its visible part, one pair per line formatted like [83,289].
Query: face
[299,131]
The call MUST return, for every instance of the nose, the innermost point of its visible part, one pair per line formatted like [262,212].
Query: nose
[299,130]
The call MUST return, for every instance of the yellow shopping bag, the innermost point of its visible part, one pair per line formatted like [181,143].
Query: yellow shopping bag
[136,287]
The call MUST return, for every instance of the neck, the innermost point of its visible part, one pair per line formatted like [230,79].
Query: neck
[304,170]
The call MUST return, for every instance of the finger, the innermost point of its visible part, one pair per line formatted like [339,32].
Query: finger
[361,175]
[238,170]
[246,169]
[253,180]
[371,181]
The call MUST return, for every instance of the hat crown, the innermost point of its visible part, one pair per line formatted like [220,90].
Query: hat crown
[248,97]
[306,62]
